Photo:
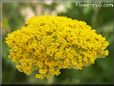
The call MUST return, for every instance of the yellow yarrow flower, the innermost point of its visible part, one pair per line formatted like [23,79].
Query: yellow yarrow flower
[48,44]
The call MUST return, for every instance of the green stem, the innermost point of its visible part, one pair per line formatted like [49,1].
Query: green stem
[51,80]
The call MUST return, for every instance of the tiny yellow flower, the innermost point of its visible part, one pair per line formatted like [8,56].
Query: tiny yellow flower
[48,44]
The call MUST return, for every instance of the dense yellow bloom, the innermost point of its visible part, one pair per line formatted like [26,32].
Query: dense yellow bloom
[47,44]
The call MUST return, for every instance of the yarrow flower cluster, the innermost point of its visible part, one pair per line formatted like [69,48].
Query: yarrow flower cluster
[47,44]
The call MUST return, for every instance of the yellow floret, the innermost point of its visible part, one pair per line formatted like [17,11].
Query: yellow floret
[48,44]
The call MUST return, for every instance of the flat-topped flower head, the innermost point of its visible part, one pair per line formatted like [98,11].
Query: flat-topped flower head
[47,44]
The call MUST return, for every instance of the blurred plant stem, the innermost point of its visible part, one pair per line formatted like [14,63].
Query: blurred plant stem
[94,21]
[51,80]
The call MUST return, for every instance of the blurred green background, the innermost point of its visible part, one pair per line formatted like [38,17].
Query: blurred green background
[101,18]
